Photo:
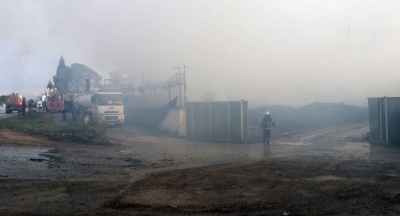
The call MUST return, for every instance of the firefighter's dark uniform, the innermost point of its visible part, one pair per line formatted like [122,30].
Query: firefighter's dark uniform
[266,125]
[23,106]
[30,104]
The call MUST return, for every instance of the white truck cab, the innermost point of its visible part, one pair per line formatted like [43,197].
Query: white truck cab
[107,107]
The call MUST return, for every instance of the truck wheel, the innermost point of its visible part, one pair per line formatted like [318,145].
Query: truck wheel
[8,111]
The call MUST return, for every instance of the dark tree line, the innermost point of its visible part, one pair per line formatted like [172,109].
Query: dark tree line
[3,99]
[72,78]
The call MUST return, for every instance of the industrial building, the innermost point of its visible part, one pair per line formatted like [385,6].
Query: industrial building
[164,105]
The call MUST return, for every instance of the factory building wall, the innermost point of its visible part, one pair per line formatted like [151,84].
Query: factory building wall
[217,121]
[175,121]
[384,120]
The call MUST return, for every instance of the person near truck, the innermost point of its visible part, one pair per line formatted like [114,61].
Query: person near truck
[23,106]
[266,125]
[30,103]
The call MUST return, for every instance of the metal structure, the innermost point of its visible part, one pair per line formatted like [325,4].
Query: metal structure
[159,93]
[178,80]
[384,120]
[221,121]
[148,92]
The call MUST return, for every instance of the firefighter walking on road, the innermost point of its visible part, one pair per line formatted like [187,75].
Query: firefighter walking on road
[266,125]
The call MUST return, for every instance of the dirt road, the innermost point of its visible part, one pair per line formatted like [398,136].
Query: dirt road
[150,174]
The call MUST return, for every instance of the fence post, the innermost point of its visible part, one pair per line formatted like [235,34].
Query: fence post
[191,116]
[380,118]
[209,117]
[229,122]
[386,121]
[241,120]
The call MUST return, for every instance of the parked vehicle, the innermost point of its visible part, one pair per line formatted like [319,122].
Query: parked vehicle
[39,105]
[14,103]
[55,102]
[107,107]
[42,99]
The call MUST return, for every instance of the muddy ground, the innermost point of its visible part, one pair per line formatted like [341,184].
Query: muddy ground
[150,174]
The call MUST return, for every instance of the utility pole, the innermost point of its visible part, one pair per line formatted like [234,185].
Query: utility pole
[142,84]
[169,91]
[184,83]
[155,97]
[180,86]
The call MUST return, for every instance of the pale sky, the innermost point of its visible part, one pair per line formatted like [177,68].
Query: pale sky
[266,52]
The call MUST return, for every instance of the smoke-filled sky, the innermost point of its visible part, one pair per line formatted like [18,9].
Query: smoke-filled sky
[267,52]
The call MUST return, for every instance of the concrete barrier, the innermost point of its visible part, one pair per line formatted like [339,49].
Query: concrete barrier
[175,121]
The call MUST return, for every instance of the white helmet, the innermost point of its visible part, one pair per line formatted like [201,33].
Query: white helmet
[266,113]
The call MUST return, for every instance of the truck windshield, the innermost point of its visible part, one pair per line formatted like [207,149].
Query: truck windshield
[110,99]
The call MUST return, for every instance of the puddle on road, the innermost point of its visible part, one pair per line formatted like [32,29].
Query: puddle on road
[174,155]
[16,161]
[21,153]
[214,153]
[293,143]
[326,178]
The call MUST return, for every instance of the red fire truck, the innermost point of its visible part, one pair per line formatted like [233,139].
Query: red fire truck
[55,102]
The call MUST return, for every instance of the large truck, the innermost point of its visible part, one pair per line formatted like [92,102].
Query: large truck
[55,102]
[41,101]
[14,103]
[107,107]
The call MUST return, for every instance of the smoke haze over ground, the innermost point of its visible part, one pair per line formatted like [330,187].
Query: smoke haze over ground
[267,52]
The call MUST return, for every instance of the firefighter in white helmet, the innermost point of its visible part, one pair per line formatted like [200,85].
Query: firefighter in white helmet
[266,125]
